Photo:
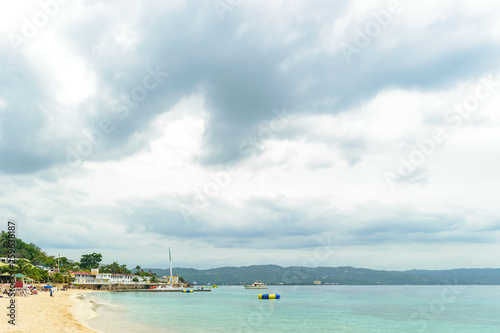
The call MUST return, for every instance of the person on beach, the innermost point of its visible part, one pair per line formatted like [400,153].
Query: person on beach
[51,293]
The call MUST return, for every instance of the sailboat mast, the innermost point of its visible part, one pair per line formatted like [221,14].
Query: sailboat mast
[170,259]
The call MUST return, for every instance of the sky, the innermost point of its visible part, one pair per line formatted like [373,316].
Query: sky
[236,132]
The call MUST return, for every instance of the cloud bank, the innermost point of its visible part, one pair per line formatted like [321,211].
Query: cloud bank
[248,132]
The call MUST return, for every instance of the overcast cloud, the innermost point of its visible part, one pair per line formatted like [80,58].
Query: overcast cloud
[249,132]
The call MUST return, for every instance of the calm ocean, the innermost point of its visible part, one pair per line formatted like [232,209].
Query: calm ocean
[304,309]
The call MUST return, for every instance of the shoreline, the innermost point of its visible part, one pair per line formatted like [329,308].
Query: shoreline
[83,308]
[67,311]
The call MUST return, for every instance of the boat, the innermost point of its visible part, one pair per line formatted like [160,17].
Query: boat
[167,287]
[255,285]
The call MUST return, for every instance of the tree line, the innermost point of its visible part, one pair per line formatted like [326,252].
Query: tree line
[33,262]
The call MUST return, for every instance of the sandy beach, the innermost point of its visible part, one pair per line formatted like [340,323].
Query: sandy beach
[64,312]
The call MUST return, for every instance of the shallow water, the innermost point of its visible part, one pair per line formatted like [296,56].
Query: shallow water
[305,309]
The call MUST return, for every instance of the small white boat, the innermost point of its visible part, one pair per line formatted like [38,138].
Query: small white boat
[166,287]
[255,285]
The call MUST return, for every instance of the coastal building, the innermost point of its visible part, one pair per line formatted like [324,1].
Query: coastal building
[5,260]
[83,277]
[108,278]
[51,271]
[170,279]
[96,278]
[5,278]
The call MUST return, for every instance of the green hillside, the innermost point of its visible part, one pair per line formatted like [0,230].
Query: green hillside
[273,274]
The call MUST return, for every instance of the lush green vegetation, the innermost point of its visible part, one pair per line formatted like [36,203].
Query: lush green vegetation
[272,274]
[30,256]
[89,261]
[23,266]
[30,252]
[115,267]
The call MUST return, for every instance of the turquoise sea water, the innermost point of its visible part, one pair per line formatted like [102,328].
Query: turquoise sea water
[305,309]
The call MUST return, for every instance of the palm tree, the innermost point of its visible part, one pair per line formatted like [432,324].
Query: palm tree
[23,266]
[123,269]
[4,269]
[4,242]
[36,274]
[138,267]
[114,267]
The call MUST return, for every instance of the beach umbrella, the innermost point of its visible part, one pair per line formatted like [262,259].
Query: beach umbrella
[47,287]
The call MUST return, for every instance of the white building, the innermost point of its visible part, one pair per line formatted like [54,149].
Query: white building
[5,260]
[108,278]
[104,278]
[83,277]
[170,279]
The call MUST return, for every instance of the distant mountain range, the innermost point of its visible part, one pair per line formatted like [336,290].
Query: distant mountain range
[273,274]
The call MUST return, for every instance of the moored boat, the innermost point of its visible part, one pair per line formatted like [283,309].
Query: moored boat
[255,285]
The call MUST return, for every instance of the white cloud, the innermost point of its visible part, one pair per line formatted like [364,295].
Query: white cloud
[321,173]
